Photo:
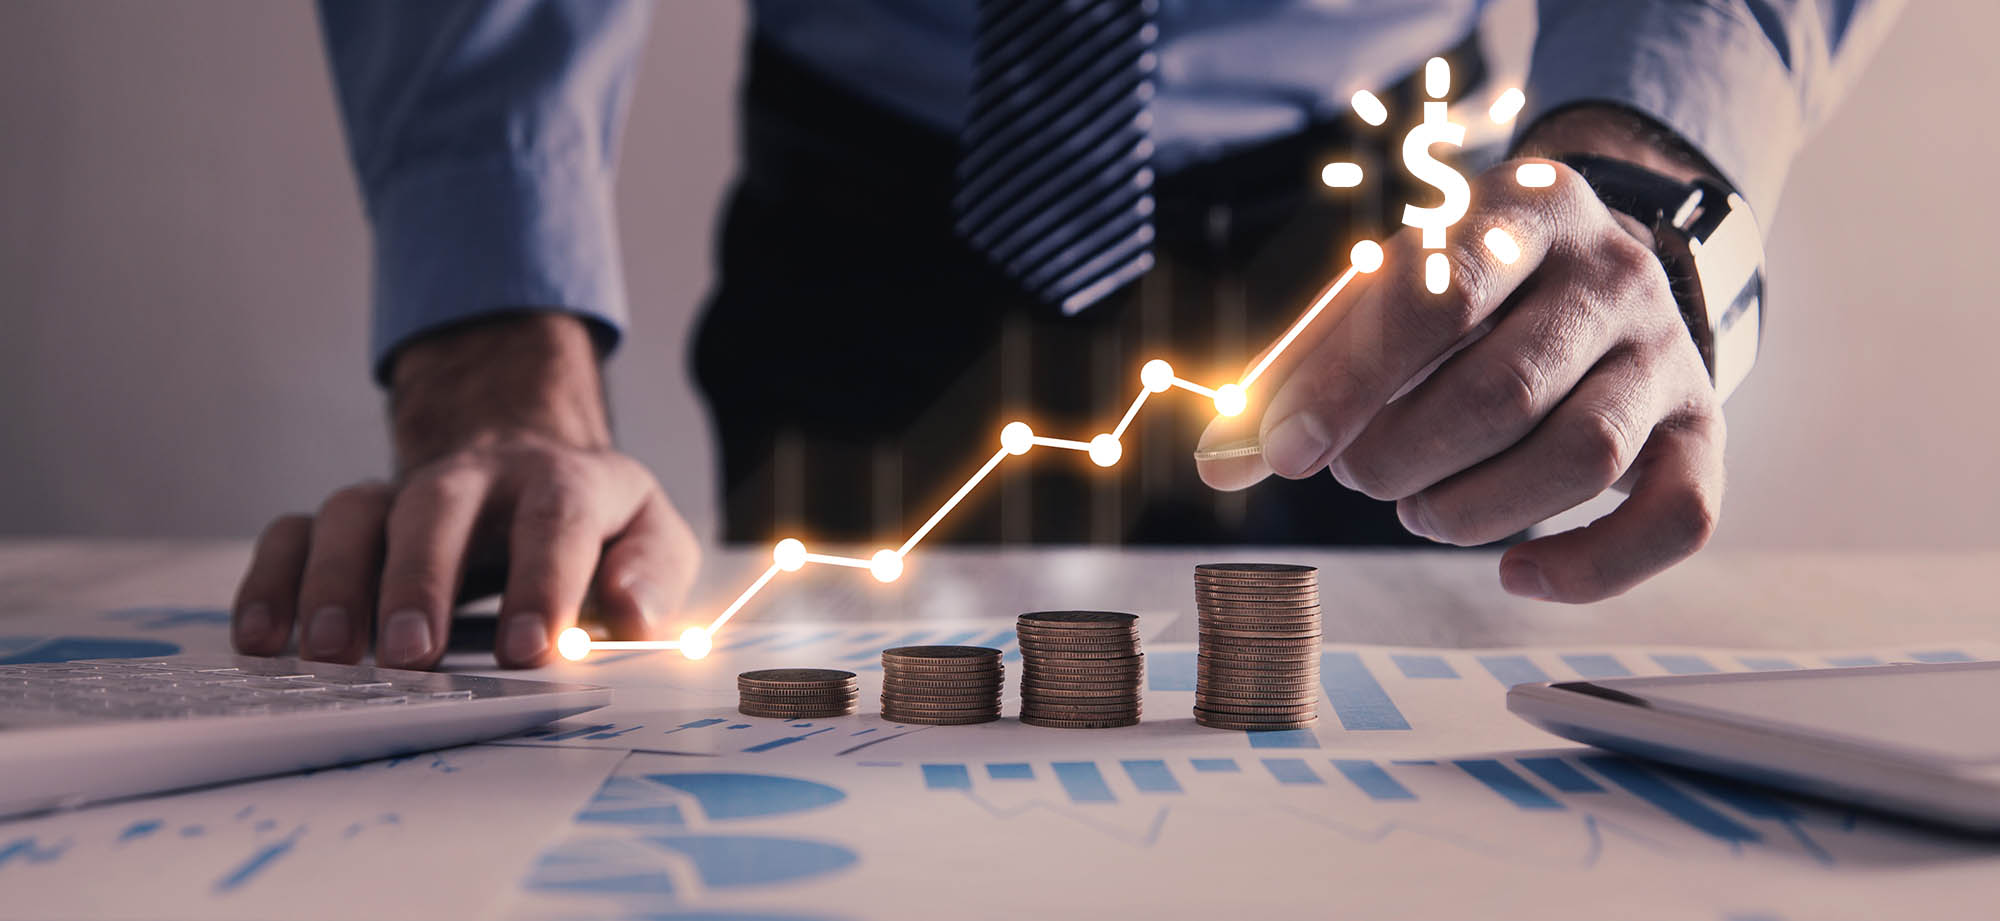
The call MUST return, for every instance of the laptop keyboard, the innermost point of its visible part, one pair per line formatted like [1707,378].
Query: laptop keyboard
[149,690]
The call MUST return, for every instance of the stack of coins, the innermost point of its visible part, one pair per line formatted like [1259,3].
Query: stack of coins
[797,693]
[1080,669]
[1258,666]
[941,685]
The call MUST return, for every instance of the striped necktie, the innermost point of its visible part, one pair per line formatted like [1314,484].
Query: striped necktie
[1054,185]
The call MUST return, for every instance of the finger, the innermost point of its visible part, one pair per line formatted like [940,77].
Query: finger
[428,530]
[261,620]
[1675,503]
[1491,395]
[337,598]
[646,572]
[1241,429]
[557,535]
[1398,328]
[1580,450]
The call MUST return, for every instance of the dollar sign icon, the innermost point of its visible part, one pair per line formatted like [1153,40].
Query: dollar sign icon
[1436,128]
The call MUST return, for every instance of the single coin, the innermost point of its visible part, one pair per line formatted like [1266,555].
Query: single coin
[929,653]
[1206,601]
[1079,619]
[951,703]
[1031,644]
[796,692]
[1214,722]
[1233,711]
[1230,450]
[1079,724]
[1267,632]
[1079,694]
[1261,684]
[794,713]
[1081,713]
[1033,653]
[1240,568]
[935,720]
[1043,679]
[1079,685]
[792,676]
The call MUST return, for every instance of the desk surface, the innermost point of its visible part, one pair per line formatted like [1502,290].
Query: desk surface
[1415,774]
[1422,598]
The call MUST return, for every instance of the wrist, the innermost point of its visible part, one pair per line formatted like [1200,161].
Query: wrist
[525,374]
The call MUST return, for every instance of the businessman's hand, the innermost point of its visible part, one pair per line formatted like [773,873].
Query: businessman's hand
[507,479]
[1585,378]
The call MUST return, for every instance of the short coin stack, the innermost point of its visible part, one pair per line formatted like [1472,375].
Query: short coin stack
[941,685]
[797,693]
[1258,667]
[1080,669]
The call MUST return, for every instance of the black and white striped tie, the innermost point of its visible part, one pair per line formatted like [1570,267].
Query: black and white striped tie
[1054,184]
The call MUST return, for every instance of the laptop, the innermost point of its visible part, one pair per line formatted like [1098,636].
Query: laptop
[73,733]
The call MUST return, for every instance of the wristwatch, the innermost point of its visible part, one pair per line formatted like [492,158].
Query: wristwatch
[1713,252]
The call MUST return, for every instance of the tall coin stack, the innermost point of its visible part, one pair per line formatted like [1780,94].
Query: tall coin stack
[1258,666]
[941,685]
[797,693]
[1080,669]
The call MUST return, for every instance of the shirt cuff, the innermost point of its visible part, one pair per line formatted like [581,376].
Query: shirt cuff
[469,239]
[1706,71]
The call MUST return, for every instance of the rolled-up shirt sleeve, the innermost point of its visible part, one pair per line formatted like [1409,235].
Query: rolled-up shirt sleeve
[1743,81]
[484,137]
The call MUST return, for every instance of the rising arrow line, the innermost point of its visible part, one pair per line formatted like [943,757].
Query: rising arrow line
[1016,438]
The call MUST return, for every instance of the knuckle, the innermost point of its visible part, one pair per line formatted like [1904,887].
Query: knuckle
[557,505]
[1361,469]
[449,486]
[1505,392]
[1600,447]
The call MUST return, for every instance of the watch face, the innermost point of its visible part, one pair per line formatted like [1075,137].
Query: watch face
[1728,265]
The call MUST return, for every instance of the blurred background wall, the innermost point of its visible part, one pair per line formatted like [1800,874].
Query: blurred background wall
[183,276]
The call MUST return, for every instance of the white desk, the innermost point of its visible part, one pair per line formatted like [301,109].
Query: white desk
[1269,866]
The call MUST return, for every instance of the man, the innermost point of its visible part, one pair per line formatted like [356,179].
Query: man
[952,215]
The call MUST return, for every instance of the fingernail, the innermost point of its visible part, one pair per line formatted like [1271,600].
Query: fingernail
[525,638]
[1415,515]
[406,638]
[253,622]
[326,632]
[1523,578]
[1295,445]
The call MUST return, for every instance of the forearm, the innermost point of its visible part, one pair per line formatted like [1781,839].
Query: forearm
[519,374]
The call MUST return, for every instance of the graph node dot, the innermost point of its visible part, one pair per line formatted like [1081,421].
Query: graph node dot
[573,644]
[1157,375]
[886,565]
[1105,450]
[789,554]
[696,642]
[1366,256]
[1017,438]
[1230,400]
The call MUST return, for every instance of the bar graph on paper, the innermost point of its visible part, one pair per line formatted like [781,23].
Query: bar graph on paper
[1373,700]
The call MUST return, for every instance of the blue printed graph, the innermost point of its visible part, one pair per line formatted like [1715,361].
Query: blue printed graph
[659,847]
[1719,811]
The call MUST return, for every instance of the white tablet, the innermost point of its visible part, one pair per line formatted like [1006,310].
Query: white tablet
[1920,740]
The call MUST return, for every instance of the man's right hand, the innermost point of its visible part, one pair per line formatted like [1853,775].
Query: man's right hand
[506,479]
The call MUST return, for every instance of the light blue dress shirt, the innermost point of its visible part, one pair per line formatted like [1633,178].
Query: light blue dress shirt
[484,132]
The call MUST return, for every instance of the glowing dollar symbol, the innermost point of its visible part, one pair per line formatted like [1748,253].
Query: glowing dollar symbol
[1436,128]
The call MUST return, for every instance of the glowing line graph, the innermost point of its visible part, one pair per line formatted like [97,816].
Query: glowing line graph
[1016,439]
[1156,376]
